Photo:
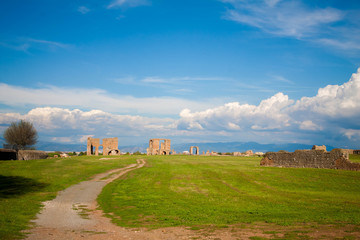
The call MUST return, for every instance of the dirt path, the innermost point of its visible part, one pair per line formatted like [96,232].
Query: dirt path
[72,215]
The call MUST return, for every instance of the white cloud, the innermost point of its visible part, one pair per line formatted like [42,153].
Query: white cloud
[93,98]
[48,44]
[334,111]
[331,117]
[286,18]
[75,125]
[26,44]
[309,125]
[22,47]
[174,80]
[333,100]
[340,43]
[127,3]
[352,134]
[267,115]
[272,3]
[325,26]
[62,139]
[83,9]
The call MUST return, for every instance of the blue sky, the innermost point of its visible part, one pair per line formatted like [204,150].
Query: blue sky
[204,70]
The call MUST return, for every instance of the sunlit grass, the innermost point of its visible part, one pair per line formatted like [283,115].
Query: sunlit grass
[354,158]
[25,184]
[197,190]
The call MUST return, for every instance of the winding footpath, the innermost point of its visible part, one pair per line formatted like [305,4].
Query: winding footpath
[73,214]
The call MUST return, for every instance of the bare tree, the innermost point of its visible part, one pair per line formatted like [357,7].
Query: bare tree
[21,134]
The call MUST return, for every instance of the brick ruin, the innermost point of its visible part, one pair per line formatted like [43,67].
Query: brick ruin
[335,159]
[159,146]
[110,146]
[196,150]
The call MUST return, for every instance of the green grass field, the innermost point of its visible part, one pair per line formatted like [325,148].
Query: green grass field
[354,158]
[192,191]
[25,184]
[200,191]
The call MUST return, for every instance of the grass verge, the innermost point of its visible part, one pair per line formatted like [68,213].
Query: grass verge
[24,185]
[354,158]
[220,191]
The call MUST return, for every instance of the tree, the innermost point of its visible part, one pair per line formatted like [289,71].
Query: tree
[21,134]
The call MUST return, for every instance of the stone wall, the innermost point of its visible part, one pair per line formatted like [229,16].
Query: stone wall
[93,145]
[159,146]
[197,152]
[336,159]
[7,154]
[110,146]
[31,154]
[322,147]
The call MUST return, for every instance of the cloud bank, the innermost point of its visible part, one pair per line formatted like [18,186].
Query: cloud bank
[330,117]
[53,96]
[332,114]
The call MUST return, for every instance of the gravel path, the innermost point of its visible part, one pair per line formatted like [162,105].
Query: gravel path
[74,209]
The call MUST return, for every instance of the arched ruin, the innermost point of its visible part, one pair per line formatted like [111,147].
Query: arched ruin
[159,146]
[110,146]
[197,152]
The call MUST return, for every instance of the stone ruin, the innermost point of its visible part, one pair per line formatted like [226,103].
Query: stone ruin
[159,146]
[335,159]
[212,153]
[11,154]
[196,150]
[322,147]
[110,146]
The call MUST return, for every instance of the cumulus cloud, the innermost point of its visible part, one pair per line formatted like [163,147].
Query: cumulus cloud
[334,112]
[330,117]
[76,125]
[269,114]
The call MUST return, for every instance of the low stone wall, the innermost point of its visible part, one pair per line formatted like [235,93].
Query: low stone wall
[7,154]
[336,159]
[31,154]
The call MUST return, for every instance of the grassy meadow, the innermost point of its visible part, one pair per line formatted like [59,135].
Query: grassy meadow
[193,191]
[25,184]
[201,191]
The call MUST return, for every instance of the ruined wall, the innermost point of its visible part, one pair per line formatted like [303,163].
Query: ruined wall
[91,144]
[336,159]
[7,154]
[31,154]
[348,151]
[159,148]
[322,147]
[192,150]
[110,146]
